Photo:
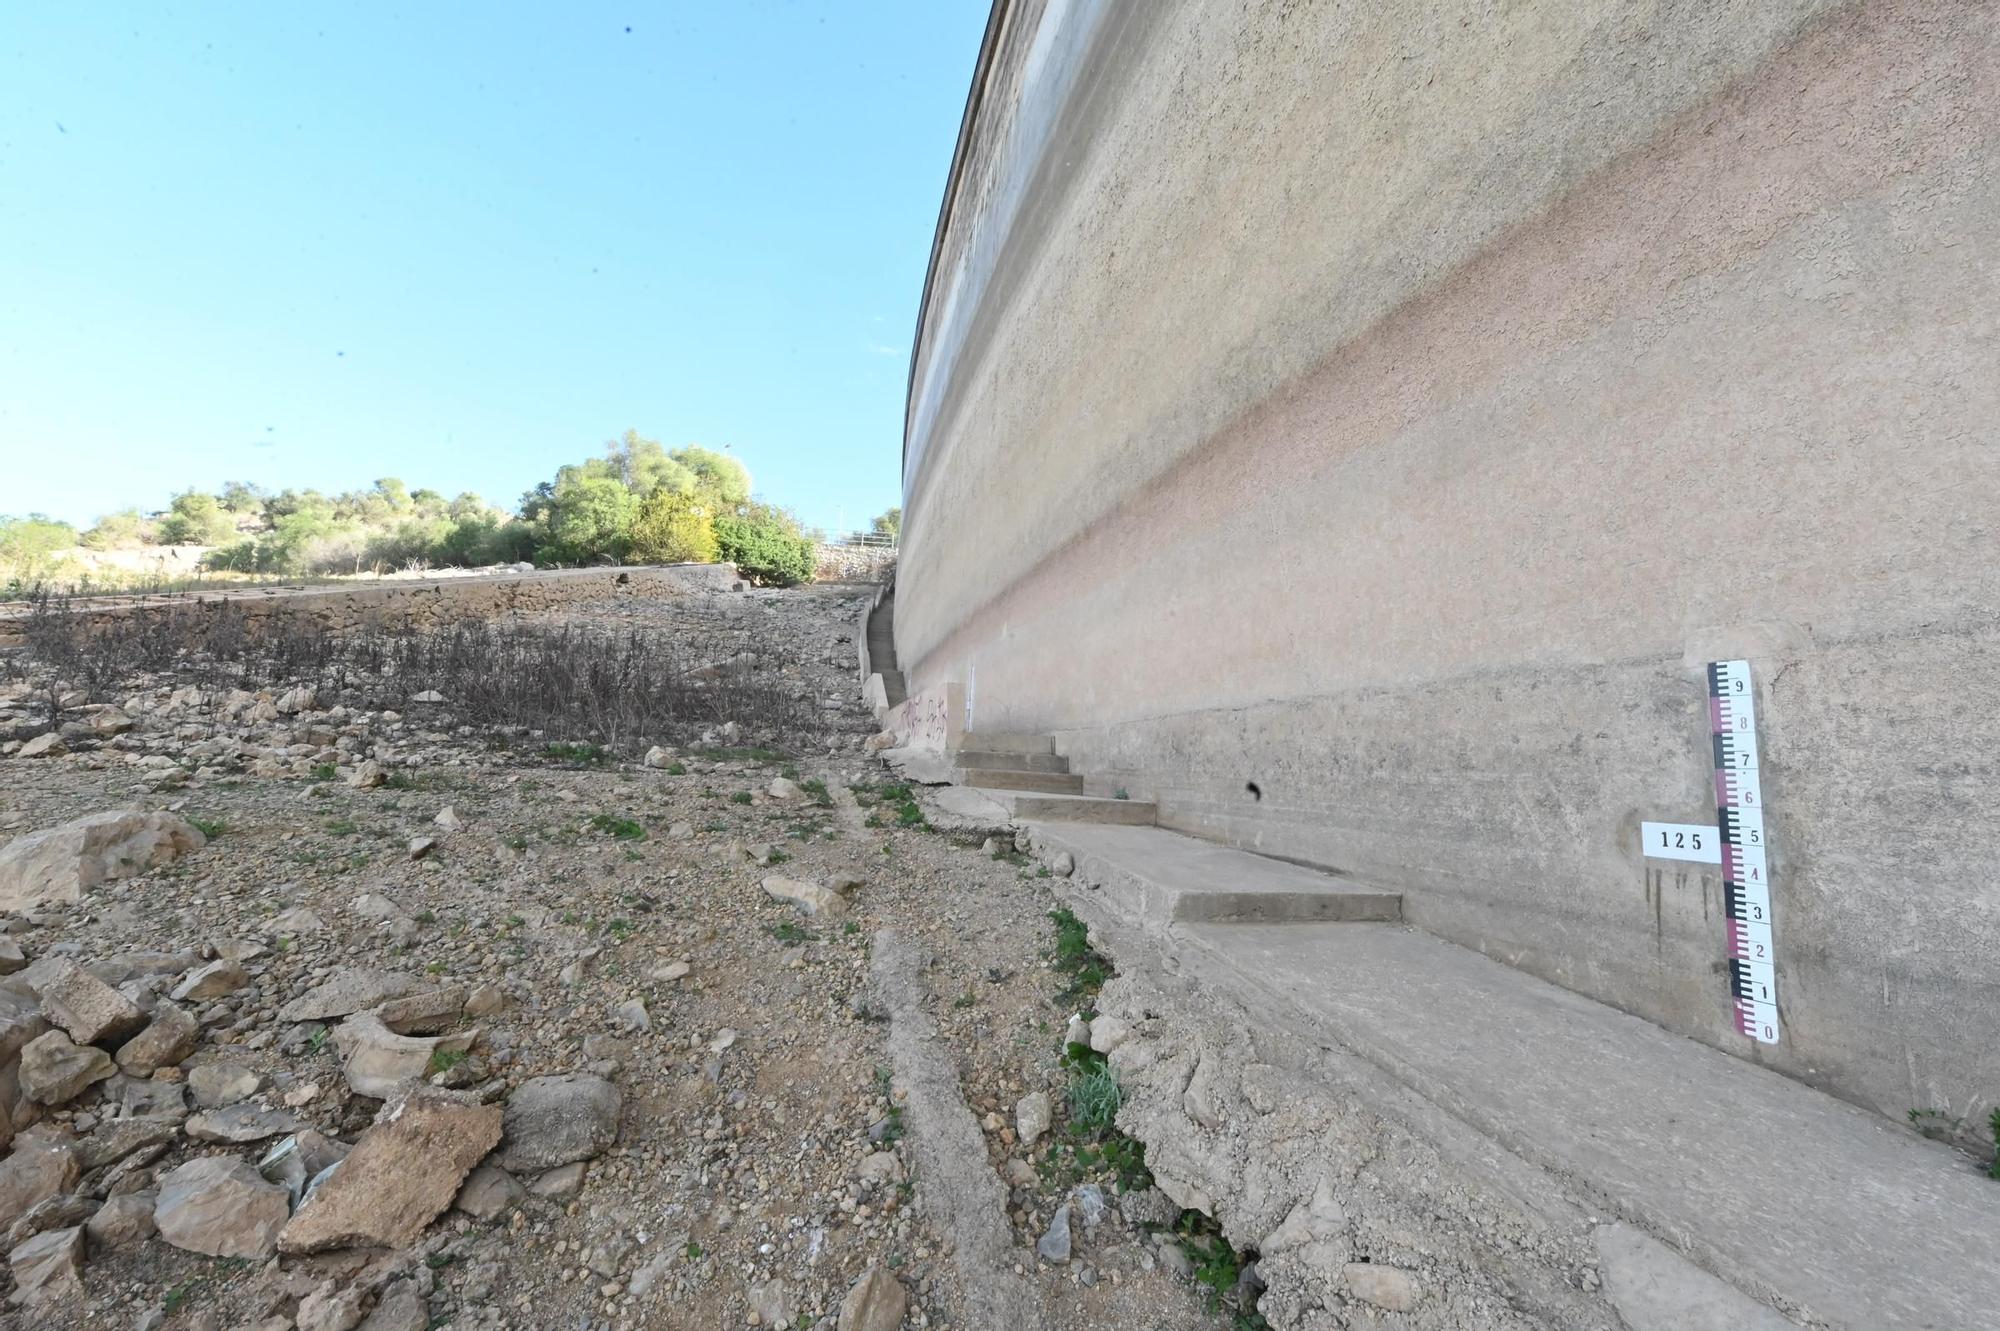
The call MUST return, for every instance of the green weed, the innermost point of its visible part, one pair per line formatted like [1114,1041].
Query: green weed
[624,829]
[1076,958]
[443,1060]
[581,755]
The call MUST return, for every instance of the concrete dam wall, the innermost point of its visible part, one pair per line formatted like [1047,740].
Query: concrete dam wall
[1355,427]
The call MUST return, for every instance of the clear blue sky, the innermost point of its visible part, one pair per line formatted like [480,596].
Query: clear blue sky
[310,245]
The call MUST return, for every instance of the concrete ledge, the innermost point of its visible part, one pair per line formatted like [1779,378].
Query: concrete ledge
[1029,807]
[1161,878]
[1000,778]
[1793,1198]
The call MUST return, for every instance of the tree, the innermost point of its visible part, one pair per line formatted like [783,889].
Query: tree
[287,502]
[890,524]
[196,519]
[721,477]
[591,518]
[467,505]
[241,498]
[428,504]
[673,528]
[32,548]
[766,545]
[394,493]
[641,464]
[117,531]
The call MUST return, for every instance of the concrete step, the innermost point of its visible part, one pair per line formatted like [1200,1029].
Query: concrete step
[1000,778]
[995,760]
[1787,1194]
[1027,806]
[1003,741]
[1162,877]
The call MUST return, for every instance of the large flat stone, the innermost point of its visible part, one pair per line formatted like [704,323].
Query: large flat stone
[402,1174]
[60,864]
[219,1206]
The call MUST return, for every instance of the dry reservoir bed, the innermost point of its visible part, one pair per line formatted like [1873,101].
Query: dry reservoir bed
[575,998]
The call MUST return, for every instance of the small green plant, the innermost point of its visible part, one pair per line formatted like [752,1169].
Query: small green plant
[966,999]
[1121,794]
[740,797]
[210,827]
[620,929]
[1993,1126]
[693,1251]
[1075,957]
[1936,1124]
[850,928]
[1094,1093]
[517,843]
[177,1297]
[779,857]
[817,789]
[317,1040]
[676,769]
[624,829]
[581,755]
[342,826]
[323,772]
[444,1060]
[791,931]
[1217,1267]
[909,814]
[753,754]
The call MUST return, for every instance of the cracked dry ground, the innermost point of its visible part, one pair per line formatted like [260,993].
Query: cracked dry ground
[605,919]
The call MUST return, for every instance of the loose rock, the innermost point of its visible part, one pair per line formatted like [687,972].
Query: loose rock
[218,1206]
[552,1121]
[55,1070]
[62,863]
[402,1173]
[86,1007]
[48,1266]
[877,1302]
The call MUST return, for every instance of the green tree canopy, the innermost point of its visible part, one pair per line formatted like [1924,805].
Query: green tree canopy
[117,531]
[673,528]
[196,518]
[241,498]
[719,476]
[591,517]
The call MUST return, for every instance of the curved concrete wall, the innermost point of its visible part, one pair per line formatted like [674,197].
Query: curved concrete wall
[1394,405]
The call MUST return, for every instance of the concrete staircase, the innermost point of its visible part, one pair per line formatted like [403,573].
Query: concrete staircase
[1789,1197]
[1162,876]
[879,632]
[1025,774]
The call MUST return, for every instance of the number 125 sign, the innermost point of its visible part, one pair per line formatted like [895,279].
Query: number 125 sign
[1681,841]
